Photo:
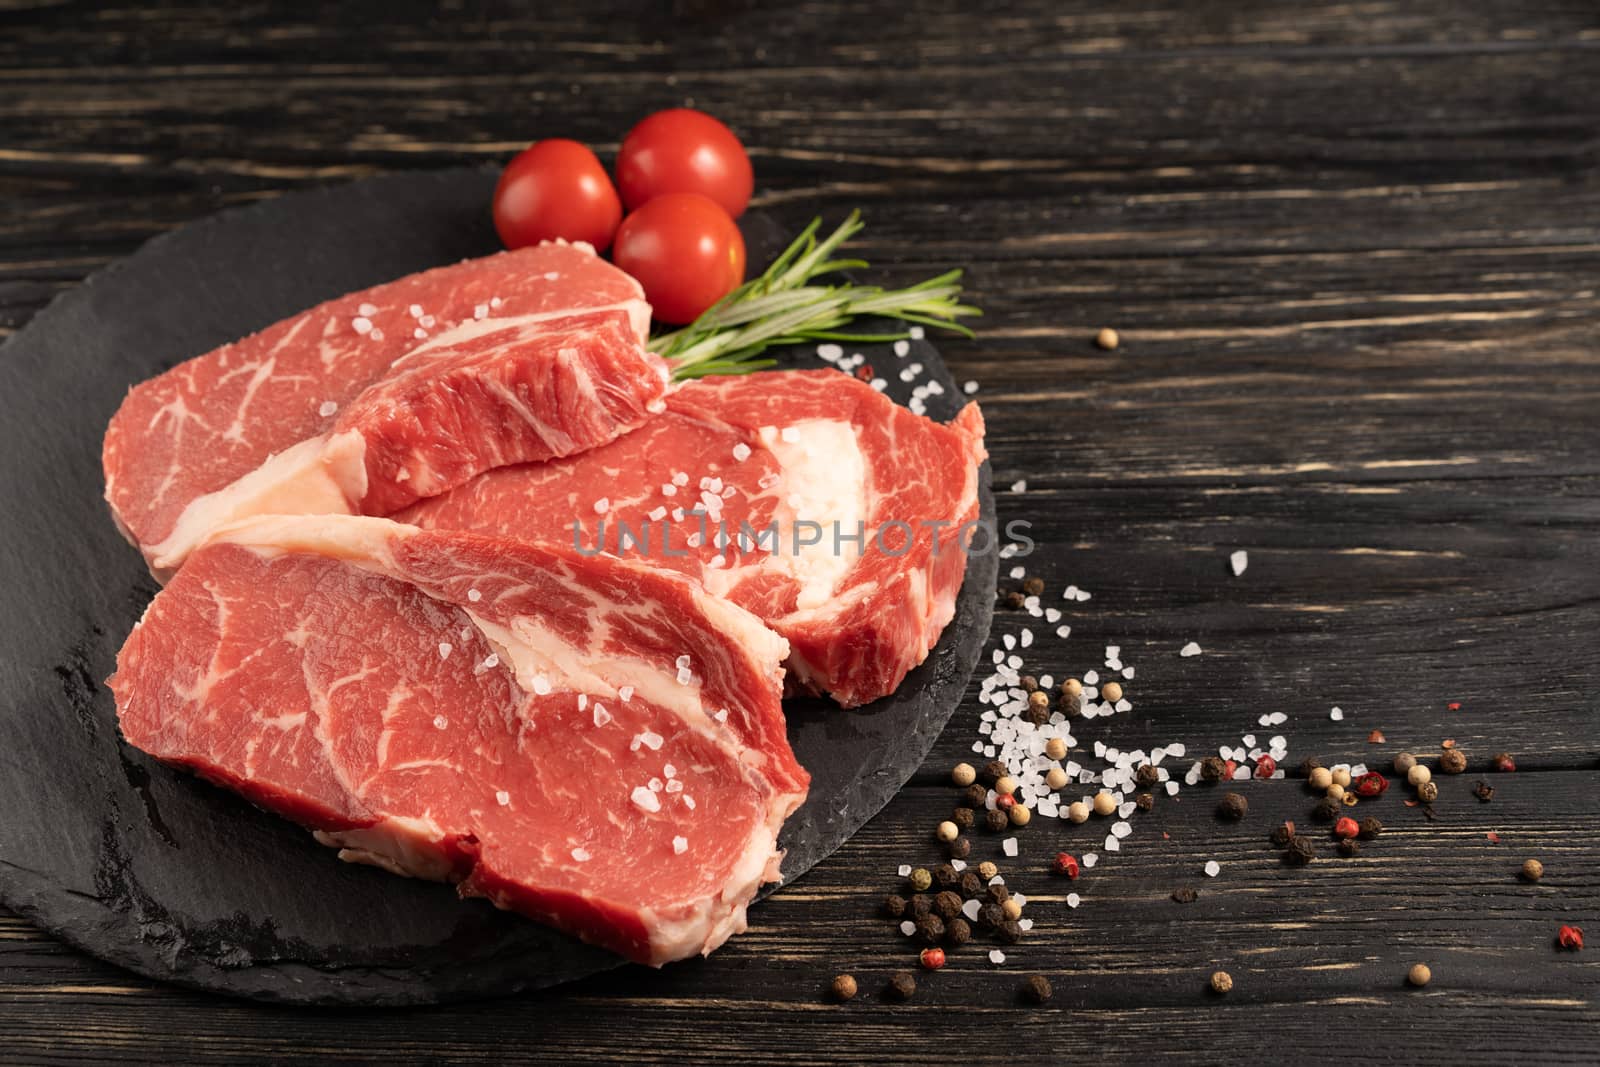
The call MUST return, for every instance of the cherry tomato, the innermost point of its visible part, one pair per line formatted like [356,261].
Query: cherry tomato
[686,252]
[556,188]
[684,151]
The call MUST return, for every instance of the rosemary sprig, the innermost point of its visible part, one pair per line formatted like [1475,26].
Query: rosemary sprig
[783,307]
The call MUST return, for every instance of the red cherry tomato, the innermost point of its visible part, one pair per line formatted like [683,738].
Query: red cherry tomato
[556,189]
[685,251]
[684,151]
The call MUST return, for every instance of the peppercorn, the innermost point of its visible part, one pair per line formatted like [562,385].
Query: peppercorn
[921,879]
[1349,799]
[1029,683]
[1104,803]
[990,915]
[1419,975]
[1055,778]
[1532,870]
[1452,761]
[1077,811]
[992,772]
[1371,784]
[843,988]
[996,820]
[1282,834]
[1071,705]
[1346,827]
[932,959]
[1570,937]
[1005,801]
[1111,692]
[1428,792]
[902,984]
[964,774]
[1037,713]
[1326,810]
[1055,748]
[1266,767]
[1504,763]
[1221,982]
[1020,815]
[1147,775]
[1348,846]
[1300,852]
[1212,768]
[1037,989]
[921,905]
[1107,339]
[997,892]
[1233,806]
[971,884]
[1335,791]
[1341,777]
[947,831]
[894,906]
[930,928]
[1320,778]
[1033,586]
[1040,702]
[947,904]
[975,796]
[1483,791]
[1008,931]
[1071,688]
[1419,774]
[959,849]
[1370,828]
[1144,801]
[957,932]
[1404,762]
[1015,600]
[946,876]
[987,870]
[1005,785]
[1185,895]
[1011,909]
[1066,864]
[1307,765]
[962,817]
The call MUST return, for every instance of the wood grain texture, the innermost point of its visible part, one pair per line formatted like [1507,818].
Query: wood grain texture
[1353,251]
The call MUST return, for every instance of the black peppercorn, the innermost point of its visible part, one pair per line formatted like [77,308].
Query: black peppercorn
[1483,791]
[1348,846]
[1147,775]
[1015,600]
[931,929]
[957,932]
[1008,931]
[947,904]
[959,849]
[963,818]
[1282,834]
[921,904]
[1071,705]
[1029,683]
[1233,806]
[1033,587]
[1144,801]
[1370,827]
[990,915]
[992,772]
[1185,895]
[1212,769]
[1036,989]
[945,876]
[1300,852]
[974,796]
[1038,711]
[998,893]
[1309,764]
[971,884]
[902,984]
[894,906]
[1327,810]
[996,820]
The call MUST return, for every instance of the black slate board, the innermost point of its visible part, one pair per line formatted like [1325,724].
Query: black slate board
[161,873]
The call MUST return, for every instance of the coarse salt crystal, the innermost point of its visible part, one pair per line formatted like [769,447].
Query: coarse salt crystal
[440,722]
[969,387]
[602,506]
[1212,867]
[995,955]
[541,685]
[602,717]
[1191,649]
[1239,561]
[367,310]
[502,798]
[830,352]
[580,854]
[1020,485]
[908,928]
[328,408]
[905,870]
[444,649]
[652,740]
[361,324]
[1073,900]
[790,434]
[481,311]
[474,596]
[741,451]
[644,799]
[625,694]
[901,348]
[1009,846]
[969,909]
[680,845]
[1089,859]
[1337,714]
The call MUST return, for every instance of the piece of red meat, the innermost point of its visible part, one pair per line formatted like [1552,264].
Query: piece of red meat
[590,742]
[779,446]
[369,401]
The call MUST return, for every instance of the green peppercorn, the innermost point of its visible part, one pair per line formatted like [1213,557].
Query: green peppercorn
[1008,931]
[996,820]
[1233,806]
[1212,768]
[843,988]
[971,884]
[959,849]
[894,906]
[1327,810]
[1037,989]
[1428,792]
[963,818]
[957,932]
[921,879]
[1370,827]
[931,929]
[1147,775]
[902,985]
[1300,852]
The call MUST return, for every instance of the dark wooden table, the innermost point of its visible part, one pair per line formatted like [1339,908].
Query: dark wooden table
[1353,253]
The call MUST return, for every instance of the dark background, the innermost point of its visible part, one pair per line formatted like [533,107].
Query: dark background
[1353,250]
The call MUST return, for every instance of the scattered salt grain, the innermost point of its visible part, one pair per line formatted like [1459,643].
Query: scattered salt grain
[1191,649]
[908,928]
[474,596]
[361,324]
[580,854]
[328,408]
[502,798]
[969,909]
[1009,846]
[1337,714]
[829,352]
[1239,561]
[602,717]
[901,348]
[1020,485]
[645,800]
[541,685]
[444,649]
[625,694]
[1089,860]
[905,870]
[1212,867]
[969,388]
[680,845]
[367,310]
[1073,900]
[995,955]
[652,740]
[481,311]
[602,506]
[440,722]
[741,452]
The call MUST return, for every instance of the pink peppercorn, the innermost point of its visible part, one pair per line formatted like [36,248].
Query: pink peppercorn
[1570,937]
[1266,766]
[1066,864]
[932,958]
[1346,827]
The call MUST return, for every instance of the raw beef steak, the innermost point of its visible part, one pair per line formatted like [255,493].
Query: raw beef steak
[367,402]
[791,447]
[587,741]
